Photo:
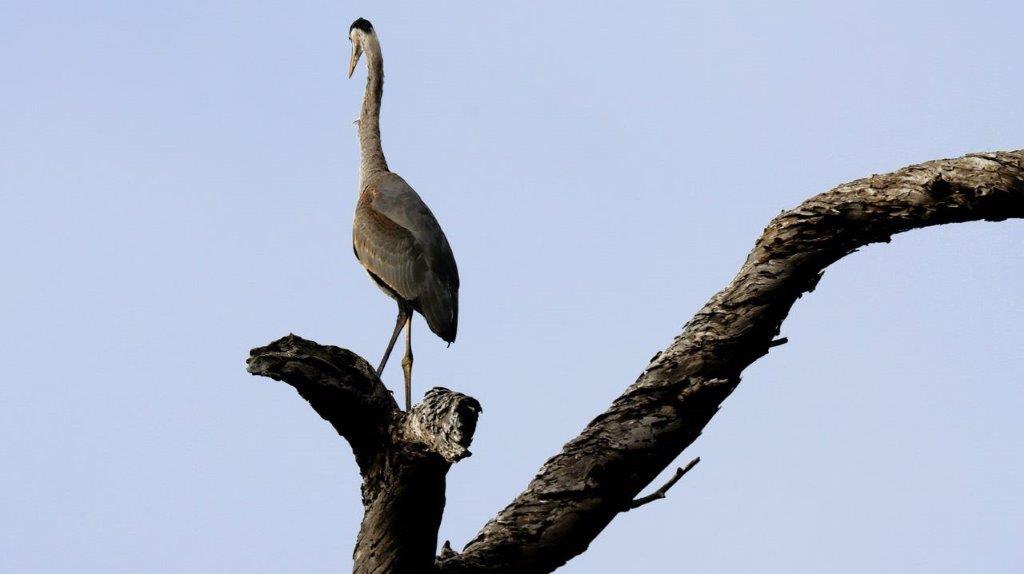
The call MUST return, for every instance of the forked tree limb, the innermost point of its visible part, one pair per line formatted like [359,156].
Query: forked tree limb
[404,457]
[580,490]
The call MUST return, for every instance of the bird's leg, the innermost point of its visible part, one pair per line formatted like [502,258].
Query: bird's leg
[394,337]
[407,364]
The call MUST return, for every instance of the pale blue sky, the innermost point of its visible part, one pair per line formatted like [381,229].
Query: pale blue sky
[177,185]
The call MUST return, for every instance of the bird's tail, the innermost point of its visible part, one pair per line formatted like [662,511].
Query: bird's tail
[441,310]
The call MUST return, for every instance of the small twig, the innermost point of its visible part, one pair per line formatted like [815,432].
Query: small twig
[777,342]
[660,493]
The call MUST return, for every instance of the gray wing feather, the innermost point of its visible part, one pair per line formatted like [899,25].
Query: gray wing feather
[412,258]
[399,202]
[390,255]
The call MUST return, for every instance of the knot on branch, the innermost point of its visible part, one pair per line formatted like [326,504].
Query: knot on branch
[444,422]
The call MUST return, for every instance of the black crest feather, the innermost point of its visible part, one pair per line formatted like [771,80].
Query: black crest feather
[361,24]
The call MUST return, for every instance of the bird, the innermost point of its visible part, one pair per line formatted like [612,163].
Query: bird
[395,236]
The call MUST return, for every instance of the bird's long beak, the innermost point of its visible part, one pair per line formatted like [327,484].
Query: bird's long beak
[356,52]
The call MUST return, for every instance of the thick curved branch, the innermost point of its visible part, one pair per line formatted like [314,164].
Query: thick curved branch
[580,490]
[340,386]
[403,457]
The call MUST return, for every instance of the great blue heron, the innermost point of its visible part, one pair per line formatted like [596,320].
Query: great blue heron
[394,235]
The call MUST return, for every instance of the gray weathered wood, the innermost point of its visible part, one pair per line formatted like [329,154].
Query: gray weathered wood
[580,490]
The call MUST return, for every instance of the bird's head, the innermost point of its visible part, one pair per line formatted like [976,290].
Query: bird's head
[359,33]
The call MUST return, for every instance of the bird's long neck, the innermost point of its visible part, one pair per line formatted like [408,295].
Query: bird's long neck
[371,156]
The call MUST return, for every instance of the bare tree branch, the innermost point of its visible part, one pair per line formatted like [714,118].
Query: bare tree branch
[663,491]
[580,490]
[403,457]
[340,386]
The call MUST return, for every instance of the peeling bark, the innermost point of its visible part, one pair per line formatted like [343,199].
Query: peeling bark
[599,474]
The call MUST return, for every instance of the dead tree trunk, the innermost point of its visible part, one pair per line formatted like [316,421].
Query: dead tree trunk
[404,458]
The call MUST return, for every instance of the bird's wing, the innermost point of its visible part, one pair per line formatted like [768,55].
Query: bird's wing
[388,251]
[426,268]
[399,202]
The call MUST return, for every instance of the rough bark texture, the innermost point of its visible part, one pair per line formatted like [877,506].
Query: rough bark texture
[599,473]
[578,491]
[403,457]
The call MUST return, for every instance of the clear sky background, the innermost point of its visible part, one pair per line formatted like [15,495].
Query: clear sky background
[178,181]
